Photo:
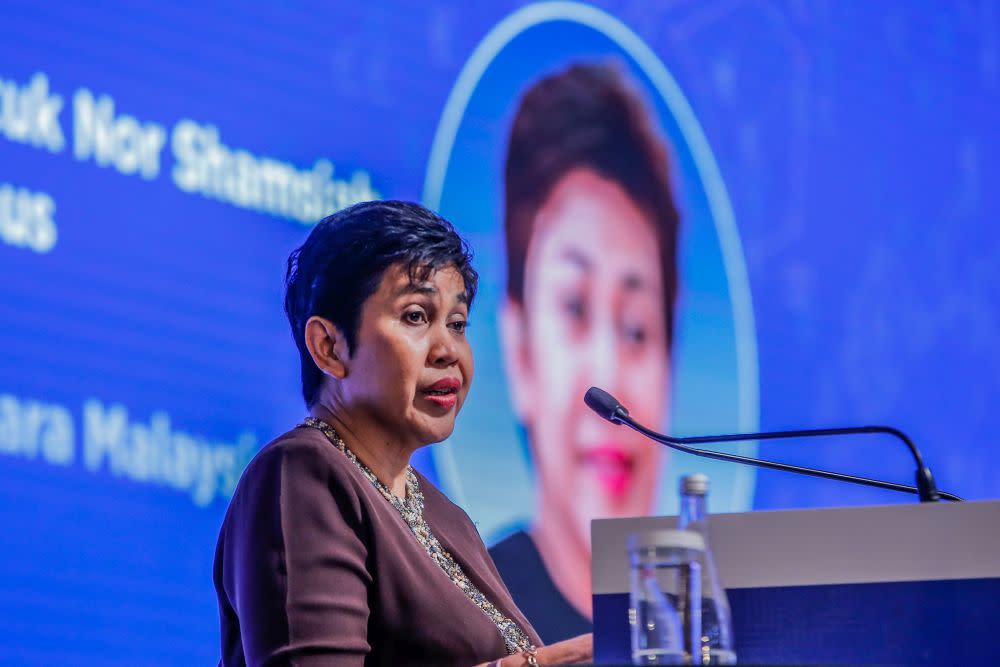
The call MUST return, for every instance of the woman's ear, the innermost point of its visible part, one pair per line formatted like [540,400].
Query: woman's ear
[517,358]
[327,347]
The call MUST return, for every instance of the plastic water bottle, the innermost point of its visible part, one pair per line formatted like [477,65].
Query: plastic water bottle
[665,602]
[716,620]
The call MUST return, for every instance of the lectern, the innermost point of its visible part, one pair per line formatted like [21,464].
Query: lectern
[915,584]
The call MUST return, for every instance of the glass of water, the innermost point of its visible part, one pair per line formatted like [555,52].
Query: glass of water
[665,600]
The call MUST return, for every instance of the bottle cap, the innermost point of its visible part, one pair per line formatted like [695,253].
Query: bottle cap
[695,484]
[667,539]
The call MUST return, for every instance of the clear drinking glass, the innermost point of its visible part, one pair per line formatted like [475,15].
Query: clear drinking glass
[665,609]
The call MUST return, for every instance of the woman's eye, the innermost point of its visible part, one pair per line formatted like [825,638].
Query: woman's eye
[415,316]
[459,326]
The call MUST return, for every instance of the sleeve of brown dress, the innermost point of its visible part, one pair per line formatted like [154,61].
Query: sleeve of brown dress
[297,574]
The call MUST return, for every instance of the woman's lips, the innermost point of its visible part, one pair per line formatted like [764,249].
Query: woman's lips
[612,466]
[443,393]
[443,400]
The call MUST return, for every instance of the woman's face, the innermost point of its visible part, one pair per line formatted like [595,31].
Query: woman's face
[592,316]
[412,365]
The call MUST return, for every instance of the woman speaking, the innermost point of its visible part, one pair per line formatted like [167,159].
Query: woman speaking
[334,551]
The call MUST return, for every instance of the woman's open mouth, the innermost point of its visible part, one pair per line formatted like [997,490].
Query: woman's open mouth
[443,393]
[612,466]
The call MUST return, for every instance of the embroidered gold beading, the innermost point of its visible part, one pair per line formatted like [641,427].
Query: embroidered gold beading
[411,509]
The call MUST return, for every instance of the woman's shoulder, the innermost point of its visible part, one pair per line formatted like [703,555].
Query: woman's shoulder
[301,442]
[296,460]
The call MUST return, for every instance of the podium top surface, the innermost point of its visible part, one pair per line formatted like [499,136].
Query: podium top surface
[884,543]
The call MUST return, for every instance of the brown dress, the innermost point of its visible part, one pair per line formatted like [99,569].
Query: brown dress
[315,567]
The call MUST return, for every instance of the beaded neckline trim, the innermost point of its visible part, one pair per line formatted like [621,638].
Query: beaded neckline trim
[411,509]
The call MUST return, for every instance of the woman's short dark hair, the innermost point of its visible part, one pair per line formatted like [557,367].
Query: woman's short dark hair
[587,116]
[344,258]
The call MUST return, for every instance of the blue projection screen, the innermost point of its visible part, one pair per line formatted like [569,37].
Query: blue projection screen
[837,264]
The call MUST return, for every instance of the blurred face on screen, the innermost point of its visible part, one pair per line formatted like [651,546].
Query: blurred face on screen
[592,315]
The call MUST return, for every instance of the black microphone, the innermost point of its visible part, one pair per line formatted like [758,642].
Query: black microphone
[608,407]
[604,404]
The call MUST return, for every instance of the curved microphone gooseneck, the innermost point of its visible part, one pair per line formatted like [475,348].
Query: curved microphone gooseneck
[605,405]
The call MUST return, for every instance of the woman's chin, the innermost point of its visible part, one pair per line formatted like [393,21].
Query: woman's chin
[435,430]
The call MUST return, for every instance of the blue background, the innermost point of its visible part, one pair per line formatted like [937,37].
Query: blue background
[857,144]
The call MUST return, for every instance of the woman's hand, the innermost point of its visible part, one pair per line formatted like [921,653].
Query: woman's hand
[567,652]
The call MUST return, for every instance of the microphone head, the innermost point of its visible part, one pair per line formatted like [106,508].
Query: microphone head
[604,404]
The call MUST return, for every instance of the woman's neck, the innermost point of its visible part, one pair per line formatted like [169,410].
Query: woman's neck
[388,460]
[566,557]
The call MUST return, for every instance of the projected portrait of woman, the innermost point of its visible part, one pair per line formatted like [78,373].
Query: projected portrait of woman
[590,226]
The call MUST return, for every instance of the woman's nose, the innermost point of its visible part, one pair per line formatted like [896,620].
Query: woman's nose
[603,355]
[443,351]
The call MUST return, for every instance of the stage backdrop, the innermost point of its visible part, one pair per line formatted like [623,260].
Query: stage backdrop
[836,260]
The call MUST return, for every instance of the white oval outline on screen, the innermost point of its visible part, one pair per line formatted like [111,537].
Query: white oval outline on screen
[718,199]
